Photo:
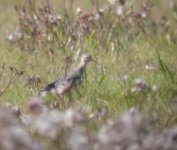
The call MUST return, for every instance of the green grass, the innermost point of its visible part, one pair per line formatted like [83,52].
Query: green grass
[103,85]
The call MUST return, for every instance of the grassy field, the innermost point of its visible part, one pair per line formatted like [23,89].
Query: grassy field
[134,49]
[143,49]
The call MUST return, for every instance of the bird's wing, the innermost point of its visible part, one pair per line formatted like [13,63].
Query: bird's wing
[60,81]
[73,75]
[49,87]
[54,84]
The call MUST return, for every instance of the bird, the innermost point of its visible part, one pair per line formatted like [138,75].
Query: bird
[66,82]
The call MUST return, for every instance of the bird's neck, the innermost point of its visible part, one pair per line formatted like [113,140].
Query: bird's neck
[82,65]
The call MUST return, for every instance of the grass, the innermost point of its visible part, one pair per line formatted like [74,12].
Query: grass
[119,51]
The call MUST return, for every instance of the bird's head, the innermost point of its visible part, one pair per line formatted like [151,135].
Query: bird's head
[85,58]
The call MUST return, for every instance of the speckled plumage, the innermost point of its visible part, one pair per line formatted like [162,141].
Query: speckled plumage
[64,83]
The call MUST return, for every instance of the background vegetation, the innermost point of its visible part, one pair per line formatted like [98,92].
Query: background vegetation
[133,45]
